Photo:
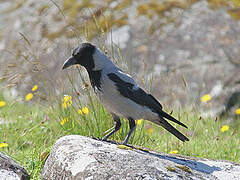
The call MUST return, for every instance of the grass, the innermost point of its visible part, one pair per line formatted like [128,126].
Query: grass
[30,129]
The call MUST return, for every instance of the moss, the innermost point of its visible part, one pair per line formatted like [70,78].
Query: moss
[172,169]
[121,146]
[184,168]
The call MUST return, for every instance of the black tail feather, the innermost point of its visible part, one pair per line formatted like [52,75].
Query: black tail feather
[172,130]
[164,114]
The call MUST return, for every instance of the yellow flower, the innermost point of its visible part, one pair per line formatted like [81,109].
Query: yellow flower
[67,98]
[35,87]
[83,111]
[63,121]
[2,145]
[173,152]
[2,103]
[236,112]
[224,128]
[206,98]
[29,96]
[150,130]
[65,105]
[67,101]
[80,112]
[139,121]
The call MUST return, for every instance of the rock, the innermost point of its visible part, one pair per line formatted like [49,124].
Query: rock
[78,157]
[10,170]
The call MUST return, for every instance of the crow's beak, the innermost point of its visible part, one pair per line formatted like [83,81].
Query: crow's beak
[70,61]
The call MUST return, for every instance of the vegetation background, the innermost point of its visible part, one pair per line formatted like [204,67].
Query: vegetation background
[185,52]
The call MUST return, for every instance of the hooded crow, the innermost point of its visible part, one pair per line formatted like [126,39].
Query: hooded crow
[119,93]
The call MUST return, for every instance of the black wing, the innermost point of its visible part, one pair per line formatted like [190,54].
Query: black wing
[139,96]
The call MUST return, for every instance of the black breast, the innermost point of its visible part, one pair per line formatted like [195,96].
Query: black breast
[95,79]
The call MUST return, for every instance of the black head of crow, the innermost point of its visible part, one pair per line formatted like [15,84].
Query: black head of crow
[82,55]
[119,93]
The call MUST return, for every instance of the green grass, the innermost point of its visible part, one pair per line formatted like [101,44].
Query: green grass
[31,130]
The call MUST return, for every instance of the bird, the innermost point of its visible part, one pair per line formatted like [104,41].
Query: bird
[119,93]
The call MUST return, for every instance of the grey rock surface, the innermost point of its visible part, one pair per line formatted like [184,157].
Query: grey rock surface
[78,157]
[10,170]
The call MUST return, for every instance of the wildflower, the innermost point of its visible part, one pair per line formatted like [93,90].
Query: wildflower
[83,111]
[224,128]
[67,98]
[29,96]
[206,98]
[63,121]
[173,152]
[35,87]
[190,133]
[149,128]
[236,112]
[139,121]
[67,101]
[65,105]
[80,112]
[2,145]
[2,103]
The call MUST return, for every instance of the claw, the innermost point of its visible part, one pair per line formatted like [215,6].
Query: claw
[99,139]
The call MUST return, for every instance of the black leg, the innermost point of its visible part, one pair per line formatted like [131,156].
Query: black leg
[132,128]
[117,126]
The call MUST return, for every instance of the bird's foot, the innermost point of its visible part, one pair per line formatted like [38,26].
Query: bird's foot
[96,138]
